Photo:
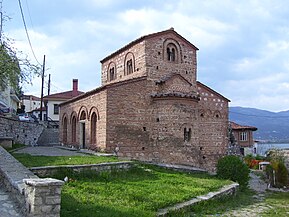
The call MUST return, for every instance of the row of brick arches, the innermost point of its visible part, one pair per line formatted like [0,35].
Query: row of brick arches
[76,127]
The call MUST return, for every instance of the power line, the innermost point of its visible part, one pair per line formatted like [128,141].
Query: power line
[29,14]
[23,19]
[260,116]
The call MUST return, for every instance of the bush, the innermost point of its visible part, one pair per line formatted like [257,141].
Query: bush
[281,175]
[277,174]
[232,167]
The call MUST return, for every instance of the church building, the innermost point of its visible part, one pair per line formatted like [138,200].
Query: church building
[150,106]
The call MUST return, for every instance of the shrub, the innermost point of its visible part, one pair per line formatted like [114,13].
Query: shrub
[281,175]
[232,167]
[277,174]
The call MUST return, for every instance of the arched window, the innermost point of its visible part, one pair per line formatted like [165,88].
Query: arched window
[73,129]
[111,74]
[64,133]
[93,128]
[172,51]
[129,63]
[129,66]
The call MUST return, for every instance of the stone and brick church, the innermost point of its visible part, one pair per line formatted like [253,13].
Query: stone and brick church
[150,106]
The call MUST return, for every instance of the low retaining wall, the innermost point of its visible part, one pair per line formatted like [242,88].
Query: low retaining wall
[50,170]
[21,131]
[37,197]
[226,190]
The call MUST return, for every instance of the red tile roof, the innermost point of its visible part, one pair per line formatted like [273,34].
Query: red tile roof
[241,127]
[63,95]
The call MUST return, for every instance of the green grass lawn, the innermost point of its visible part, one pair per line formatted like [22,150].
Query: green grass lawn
[35,161]
[141,191]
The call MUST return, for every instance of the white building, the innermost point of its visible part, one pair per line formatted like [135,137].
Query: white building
[9,101]
[30,102]
[52,101]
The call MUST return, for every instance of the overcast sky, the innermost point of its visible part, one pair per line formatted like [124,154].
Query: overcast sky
[243,45]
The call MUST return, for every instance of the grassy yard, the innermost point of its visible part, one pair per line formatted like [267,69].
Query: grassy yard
[140,191]
[35,161]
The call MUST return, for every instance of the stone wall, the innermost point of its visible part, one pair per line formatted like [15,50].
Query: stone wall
[37,197]
[50,170]
[22,132]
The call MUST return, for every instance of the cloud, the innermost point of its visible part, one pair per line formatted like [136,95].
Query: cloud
[244,46]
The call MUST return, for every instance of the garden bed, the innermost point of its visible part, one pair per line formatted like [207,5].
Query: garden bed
[140,191]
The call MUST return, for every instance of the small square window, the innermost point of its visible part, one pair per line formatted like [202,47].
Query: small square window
[56,109]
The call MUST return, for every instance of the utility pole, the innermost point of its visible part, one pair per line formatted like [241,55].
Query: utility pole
[42,84]
[1,21]
[49,84]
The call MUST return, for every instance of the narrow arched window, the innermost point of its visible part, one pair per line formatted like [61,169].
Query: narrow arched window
[187,134]
[129,66]
[111,74]
[93,128]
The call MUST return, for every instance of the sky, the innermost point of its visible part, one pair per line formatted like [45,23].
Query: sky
[243,45]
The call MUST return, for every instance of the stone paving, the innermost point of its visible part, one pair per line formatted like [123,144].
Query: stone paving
[254,210]
[8,208]
[48,151]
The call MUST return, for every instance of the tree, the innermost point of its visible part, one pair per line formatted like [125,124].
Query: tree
[14,69]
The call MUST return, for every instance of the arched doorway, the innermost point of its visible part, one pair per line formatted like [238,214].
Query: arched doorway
[82,129]
[73,129]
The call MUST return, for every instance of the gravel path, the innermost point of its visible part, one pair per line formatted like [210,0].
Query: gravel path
[254,210]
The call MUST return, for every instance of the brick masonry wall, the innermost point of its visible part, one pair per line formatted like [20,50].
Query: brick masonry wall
[22,132]
[213,116]
[92,103]
[139,67]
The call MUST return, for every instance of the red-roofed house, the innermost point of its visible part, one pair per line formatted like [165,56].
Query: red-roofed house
[243,135]
[53,100]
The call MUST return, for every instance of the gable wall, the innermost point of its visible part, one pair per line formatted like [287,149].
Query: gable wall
[157,64]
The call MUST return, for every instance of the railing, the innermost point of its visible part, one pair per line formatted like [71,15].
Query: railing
[51,123]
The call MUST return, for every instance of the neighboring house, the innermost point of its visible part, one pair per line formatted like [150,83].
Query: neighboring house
[243,136]
[9,101]
[52,101]
[30,102]
[150,106]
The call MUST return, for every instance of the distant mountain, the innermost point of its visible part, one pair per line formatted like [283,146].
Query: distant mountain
[272,126]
